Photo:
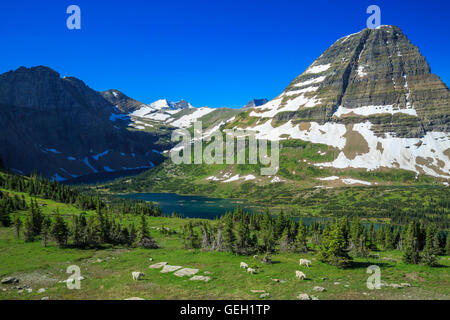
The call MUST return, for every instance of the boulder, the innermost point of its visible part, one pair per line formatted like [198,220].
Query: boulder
[265,295]
[405,284]
[10,280]
[168,268]
[303,296]
[186,272]
[45,298]
[200,278]
[134,298]
[158,265]
[320,289]
[41,290]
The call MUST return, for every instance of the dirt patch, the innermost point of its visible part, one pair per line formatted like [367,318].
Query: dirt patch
[380,147]
[355,143]
[36,278]
[304,126]
[440,163]
[427,162]
[447,153]
[424,161]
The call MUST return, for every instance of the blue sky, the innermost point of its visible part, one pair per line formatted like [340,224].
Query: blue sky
[214,53]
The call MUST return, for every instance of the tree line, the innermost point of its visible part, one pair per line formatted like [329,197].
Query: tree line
[37,186]
[337,241]
[83,230]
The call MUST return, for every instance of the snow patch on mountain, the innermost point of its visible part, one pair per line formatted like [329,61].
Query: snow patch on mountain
[421,155]
[186,120]
[318,68]
[371,110]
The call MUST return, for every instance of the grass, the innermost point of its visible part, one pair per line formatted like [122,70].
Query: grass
[42,267]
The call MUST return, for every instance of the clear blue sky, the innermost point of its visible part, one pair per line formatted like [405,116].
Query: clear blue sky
[214,53]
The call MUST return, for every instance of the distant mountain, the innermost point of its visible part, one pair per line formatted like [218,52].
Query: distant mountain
[164,104]
[373,99]
[255,103]
[64,129]
[123,103]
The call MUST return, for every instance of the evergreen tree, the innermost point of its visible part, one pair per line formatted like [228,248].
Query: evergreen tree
[229,238]
[431,248]
[191,240]
[411,243]
[46,225]
[144,239]
[389,240]
[5,220]
[218,243]
[29,229]
[287,242]
[332,250]
[17,226]
[300,239]
[447,245]
[280,224]
[59,231]
[36,218]
[243,237]
[207,242]
[358,238]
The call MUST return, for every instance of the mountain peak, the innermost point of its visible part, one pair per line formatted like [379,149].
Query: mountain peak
[164,104]
[255,103]
[372,96]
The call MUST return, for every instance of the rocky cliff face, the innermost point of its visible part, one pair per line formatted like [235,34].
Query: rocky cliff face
[63,129]
[122,102]
[371,92]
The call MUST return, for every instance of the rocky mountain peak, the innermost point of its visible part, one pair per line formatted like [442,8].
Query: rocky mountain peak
[372,96]
[255,103]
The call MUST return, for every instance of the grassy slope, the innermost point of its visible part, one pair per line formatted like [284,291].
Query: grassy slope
[42,267]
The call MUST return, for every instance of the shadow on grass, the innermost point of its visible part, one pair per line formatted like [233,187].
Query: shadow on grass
[366,264]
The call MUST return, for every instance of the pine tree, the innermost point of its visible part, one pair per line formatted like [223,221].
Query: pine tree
[358,238]
[36,218]
[29,229]
[17,226]
[218,244]
[144,239]
[300,239]
[191,240]
[411,245]
[431,248]
[447,245]
[206,237]
[5,219]
[60,231]
[280,225]
[332,250]
[229,237]
[243,237]
[46,225]
[389,240]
